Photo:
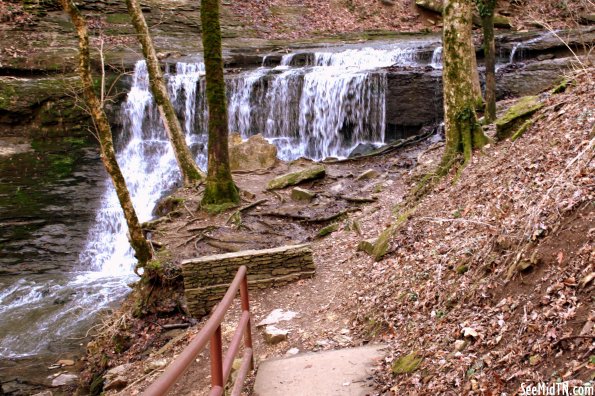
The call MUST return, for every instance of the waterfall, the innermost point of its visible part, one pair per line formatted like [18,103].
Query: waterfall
[49,310]
[519,47]
[323,109]
[326,106]
[148,163]
[436,61]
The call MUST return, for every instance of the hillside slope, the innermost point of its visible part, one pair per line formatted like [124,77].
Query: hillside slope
[490,282]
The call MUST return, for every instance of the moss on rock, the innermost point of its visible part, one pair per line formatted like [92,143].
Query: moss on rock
[516,115]
[291,179]
[407,364]
[329,229]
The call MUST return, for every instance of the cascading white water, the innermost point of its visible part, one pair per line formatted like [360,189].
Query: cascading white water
[340,110]
[520,46]
[436,61]
[48,310]
[367,58]
[318,111]
[323,109]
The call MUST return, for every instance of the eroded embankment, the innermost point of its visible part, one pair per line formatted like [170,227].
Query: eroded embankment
[489,283]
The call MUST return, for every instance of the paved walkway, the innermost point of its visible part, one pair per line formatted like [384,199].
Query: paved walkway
[340,372]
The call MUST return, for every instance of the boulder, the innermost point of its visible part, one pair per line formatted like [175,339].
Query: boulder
[291,179]
[367,245]
[329,229]
[368,174]
[156,364]
[407,364]
[500,21]
[430,5]
[361,149]
[516,116]
[116,378]
[273,335]
[276,316]
[65,379]
[252,154]
[302,194]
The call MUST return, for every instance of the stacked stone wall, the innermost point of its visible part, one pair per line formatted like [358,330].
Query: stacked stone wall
[206,279]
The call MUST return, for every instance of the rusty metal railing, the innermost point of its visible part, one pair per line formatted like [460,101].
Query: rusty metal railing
[220,367]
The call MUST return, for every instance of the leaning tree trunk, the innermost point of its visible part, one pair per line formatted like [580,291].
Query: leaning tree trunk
[463,132]
[190,171]
[108,156]
[220,188]
[486,12]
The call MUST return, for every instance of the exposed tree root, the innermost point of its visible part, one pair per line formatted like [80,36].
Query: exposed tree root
[309,219]
[245,208]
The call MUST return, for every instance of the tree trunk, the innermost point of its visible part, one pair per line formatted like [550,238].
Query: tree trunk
[108,156]
[475,77]
[220,188]
[463,132]
[486,12]
[190,172]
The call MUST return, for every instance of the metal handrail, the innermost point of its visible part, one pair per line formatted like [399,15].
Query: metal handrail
[220,368]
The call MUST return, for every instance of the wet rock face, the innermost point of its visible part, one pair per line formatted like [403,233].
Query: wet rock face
[40,107]
[413,99]
[48,107]
[530,78]
[47,201]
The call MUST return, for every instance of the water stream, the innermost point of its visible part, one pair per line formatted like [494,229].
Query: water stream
[325,107]
[317,104]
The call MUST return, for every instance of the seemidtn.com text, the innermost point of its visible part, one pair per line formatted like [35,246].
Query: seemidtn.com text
[557,389]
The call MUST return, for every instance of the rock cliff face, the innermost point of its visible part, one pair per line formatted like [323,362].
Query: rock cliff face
[38,52]
[38,56]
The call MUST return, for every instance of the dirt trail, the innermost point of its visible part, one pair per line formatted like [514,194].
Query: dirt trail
[324,321]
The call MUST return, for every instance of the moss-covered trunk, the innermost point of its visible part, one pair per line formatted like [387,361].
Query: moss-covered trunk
[220,188]
[190,172]
[486,11]
[108,156]
[463,132]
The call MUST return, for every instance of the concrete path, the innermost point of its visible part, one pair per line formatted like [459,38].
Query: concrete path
[340,372]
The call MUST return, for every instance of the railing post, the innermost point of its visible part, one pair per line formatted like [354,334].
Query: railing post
[216,359]
[246,307]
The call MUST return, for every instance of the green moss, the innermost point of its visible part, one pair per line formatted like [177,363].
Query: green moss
[406,364]
[96,387]
[520,132]
[7,95]
[461,269]
[291,179]
[214,209]
[367,245]
[560,88]
[516,115]
[220,195]
[118,19]
[382,244]
[329,229]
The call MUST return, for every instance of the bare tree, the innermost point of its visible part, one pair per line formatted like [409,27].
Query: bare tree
[463,132]
[140,245]
[486,12]
[220,188]
[190,171]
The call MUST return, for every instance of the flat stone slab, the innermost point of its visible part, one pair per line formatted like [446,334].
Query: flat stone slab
[341,372]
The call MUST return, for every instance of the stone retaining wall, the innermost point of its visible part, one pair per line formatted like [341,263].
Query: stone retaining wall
[206,279]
